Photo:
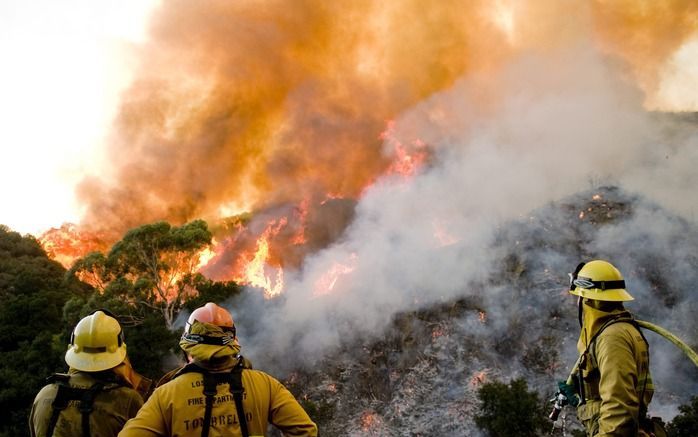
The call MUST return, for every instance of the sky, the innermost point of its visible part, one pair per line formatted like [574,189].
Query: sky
[64,66]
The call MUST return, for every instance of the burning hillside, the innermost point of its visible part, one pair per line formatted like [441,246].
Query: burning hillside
[270,113]
[420,375]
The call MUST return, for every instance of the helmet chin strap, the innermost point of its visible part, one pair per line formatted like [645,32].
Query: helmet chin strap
[580,310]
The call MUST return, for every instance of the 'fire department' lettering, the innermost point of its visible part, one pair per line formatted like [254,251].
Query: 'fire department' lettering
[224,398]
[195,401]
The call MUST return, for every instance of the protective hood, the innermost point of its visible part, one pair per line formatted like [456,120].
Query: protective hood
[593,320]
[135,380]
[124,374]
[213,357]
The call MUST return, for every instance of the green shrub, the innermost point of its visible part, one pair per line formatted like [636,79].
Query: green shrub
[686,423]
[510,410]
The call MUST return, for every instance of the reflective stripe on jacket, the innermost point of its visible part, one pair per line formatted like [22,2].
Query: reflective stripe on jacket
[177,409]
[616,375]
[112,407]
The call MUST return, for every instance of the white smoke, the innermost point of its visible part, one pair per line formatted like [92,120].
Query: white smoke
[551,126]
[542,129]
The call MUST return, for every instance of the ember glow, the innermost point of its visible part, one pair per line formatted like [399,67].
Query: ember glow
[370,421]
[478,378]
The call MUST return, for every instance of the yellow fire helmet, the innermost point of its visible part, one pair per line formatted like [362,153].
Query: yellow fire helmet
[599,280]
[97,343]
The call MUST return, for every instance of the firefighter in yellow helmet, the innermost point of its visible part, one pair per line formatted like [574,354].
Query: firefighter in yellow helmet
[613,380]
[100,392]
[207,396]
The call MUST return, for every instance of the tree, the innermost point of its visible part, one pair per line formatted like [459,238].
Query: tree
[154,266]
[509,410]
[686,423]
[32,334]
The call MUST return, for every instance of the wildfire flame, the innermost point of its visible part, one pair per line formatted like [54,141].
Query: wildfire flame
[206,255]
[369,420]
[68,243]
[325,284]
[437,331]
[478,378]
[255,265]
[257,271]
[302,213]
[407,160]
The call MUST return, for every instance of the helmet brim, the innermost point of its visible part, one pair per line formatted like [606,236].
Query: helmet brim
[94,362]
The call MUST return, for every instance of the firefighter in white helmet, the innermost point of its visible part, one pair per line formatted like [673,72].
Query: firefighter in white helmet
[216,394]
[612,380]
[100,392]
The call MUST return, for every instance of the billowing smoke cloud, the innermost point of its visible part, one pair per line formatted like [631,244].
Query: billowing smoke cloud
[644,35]
[562,124]
[246,105]
[242,105]
[566,120]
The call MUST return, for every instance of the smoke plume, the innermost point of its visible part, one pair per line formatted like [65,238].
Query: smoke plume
[243,106]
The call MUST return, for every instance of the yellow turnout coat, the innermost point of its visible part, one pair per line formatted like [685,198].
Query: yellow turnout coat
[112,407]
[177,408]
[616,377]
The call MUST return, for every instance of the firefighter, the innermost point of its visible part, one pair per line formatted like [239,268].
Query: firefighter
[100,392]
[207,397]
[612,378]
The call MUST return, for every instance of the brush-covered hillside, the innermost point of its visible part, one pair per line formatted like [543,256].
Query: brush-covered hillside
[421,376]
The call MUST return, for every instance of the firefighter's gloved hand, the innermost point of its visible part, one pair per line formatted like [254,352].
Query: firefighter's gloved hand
[569,392]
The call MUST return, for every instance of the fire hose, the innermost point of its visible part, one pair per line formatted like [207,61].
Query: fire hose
[565,396]
[692,355]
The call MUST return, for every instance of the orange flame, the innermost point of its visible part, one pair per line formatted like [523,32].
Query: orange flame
[325,284]
[205,255]
[69,243]
[478,378]
[407,160]
[369,420]
[437,331]
[302,213]
[256,268]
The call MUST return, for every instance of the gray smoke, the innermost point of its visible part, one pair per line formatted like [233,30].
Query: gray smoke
[504,147]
